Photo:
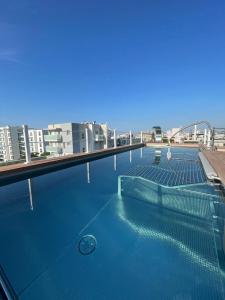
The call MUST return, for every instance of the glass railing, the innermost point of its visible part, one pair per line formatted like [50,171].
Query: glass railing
[99,138]
[53,149]
[53,138]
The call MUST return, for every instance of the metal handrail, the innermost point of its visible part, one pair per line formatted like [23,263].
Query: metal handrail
[192,124]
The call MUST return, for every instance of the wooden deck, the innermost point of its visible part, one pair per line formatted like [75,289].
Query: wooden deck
[217,161]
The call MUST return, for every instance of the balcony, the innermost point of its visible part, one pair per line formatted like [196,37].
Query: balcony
[52,149]
[53,138]
[99,138]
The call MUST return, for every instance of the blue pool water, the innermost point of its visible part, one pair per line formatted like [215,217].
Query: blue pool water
[130,226]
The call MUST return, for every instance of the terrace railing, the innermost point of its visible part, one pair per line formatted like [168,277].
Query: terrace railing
[58,142]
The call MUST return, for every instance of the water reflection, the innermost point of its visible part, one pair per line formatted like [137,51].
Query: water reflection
[169,154]
[88,172]
[130,156]
[141,153]
[115,162]
[158,152]
[30,194]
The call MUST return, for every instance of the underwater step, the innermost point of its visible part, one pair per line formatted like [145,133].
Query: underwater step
[184,201]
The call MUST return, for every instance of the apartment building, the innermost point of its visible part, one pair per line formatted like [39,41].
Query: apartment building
[68,138]
[11,143]
[194,135]
[147,136]
[157,134]
[178,138]
[36,139]
[219,137]
[122,139]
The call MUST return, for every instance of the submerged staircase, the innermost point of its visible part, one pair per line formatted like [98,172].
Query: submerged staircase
[195,199]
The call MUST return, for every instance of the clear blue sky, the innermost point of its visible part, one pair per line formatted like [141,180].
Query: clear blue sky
[133,64]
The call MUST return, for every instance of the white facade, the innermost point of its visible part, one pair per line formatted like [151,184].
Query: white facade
[97,136]
[157,134]
[219,138]
[69,138]
[36,139]
[195,136]
[178,138]
[11,143]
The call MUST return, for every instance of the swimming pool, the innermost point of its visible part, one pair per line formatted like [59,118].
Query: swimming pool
[130,226]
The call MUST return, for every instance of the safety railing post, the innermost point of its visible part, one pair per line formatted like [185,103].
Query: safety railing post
[205,136]
[114,137]
[87,141]
[209,138]
[26,144]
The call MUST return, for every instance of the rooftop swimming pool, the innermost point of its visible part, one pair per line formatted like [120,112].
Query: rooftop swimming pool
[129,226]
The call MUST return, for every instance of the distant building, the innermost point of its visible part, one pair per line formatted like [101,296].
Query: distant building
[11,143]
[69,138]
[123,139]
[157,134]
[219,137]
[36,139]
[178,138]
[147,137]
[193,136]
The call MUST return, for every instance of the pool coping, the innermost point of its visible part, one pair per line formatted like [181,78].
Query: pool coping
[35,168]
[217,160]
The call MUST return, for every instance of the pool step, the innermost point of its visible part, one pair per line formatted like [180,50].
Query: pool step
[188,202]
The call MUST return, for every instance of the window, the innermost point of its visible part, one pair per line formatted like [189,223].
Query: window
[82,135]
[40,145]
[83,149]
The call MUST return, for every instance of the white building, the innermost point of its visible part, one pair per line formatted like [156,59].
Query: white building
[69,138]
[219,137]
[11,143]
[193,136]
[178,138]
[36,139]
[157,134]
[122,139]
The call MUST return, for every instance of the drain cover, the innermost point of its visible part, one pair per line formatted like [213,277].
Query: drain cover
[87,244]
